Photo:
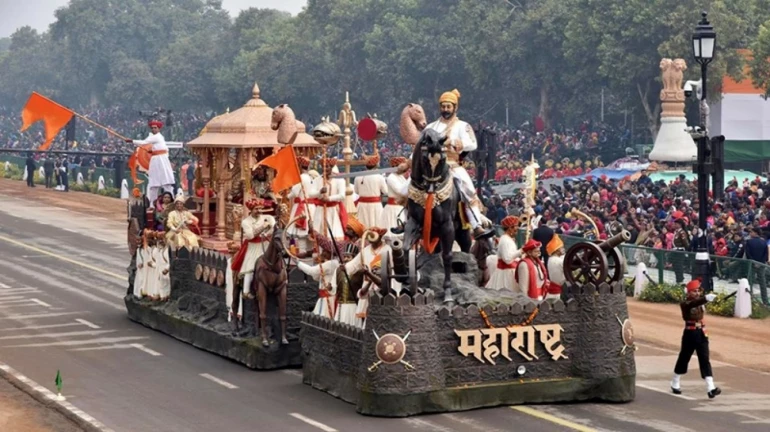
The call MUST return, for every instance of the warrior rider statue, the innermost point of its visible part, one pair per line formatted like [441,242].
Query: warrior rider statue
[461,139]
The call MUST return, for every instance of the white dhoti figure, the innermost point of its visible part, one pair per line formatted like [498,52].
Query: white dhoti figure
[507,258]
[301,207]
[393,213]
[331,207]
[140,278]
[151,283]
[161,174]
[164,274]
[370,189]
[556,278]
[326,275]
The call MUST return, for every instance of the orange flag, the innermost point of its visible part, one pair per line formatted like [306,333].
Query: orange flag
[53,115]
[285,164]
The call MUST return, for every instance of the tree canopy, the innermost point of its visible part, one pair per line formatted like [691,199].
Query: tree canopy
[527,58]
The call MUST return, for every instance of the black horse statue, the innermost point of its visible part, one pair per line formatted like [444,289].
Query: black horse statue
[433,214]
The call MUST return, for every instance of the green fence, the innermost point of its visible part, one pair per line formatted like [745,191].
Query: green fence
[676,267]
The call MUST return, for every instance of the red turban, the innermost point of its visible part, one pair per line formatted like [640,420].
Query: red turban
[303,162]
[380,231]
[531,245]
[396,161]
[155,123]
[509,222]
[330,162]
[372,161]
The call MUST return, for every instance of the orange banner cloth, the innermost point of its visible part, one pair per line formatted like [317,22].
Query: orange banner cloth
[53,115]
[287,171]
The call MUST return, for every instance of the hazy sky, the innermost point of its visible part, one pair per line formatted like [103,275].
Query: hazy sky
[39,13]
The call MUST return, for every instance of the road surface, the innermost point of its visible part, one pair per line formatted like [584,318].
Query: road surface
[62,279]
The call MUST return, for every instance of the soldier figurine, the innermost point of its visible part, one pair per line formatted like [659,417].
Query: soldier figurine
[694,339]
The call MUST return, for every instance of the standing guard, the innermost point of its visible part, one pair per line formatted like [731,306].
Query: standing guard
[161,173]
[347,288]
[370,189]
[531,274]
[504,274]
[394,211]
[330,212]
[325,272]
[695,339]
[556,278]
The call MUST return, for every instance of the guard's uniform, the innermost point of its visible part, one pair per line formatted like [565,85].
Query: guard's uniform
[694,339]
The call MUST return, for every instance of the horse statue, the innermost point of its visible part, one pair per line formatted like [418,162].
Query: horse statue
[433,205]
[270,277]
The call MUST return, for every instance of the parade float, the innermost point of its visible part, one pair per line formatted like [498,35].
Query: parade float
[432,339]
[196,312]
[444,344]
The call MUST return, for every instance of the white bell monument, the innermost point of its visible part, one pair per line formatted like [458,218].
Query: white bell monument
[673,143]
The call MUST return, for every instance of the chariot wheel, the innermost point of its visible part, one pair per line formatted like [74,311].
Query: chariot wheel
[616,265]
[413,271]
[585,263]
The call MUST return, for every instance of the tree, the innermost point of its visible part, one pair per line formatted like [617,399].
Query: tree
[759,62]
[28,67]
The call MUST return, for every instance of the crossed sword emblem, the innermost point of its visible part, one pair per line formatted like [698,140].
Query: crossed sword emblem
[377,364]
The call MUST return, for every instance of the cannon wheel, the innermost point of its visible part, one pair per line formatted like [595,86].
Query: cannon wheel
[385,274]
[616,264]
[585,263]
[413,271]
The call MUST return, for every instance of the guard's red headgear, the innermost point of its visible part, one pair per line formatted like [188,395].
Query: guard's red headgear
[372,161]
[397,160]
[509,222]
[531,245]
[693,285]
[155,123]
[303,162]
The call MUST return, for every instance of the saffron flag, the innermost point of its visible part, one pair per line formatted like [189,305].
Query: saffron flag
[285,164]
[53,115]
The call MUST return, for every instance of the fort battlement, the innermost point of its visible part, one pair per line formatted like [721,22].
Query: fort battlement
[468,357]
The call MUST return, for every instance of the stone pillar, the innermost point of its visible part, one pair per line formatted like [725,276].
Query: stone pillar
[673,143]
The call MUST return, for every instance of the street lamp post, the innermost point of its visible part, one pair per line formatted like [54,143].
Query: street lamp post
[703,45]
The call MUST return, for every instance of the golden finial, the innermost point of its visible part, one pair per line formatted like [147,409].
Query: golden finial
[347,98]
[255,91]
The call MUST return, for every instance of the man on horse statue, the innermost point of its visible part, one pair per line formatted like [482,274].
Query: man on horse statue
[460,139]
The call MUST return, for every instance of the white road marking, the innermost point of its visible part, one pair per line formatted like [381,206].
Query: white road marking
[57,335]
[689,398]
[292,372]
[81,342]
[87,323]
[427,425]
[42,315]
[24,290]
[49,394]
[470,424]
[221,382]
[8,298]
[102,348]
[141,347]
[14,301]
[41,327]
[312,422]
[18,305]
[2,285]
[754,419]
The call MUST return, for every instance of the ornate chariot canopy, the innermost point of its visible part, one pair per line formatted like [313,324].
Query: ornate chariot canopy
[247,127]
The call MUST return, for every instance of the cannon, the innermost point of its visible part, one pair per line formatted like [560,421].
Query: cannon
[588,262]
[404,267]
